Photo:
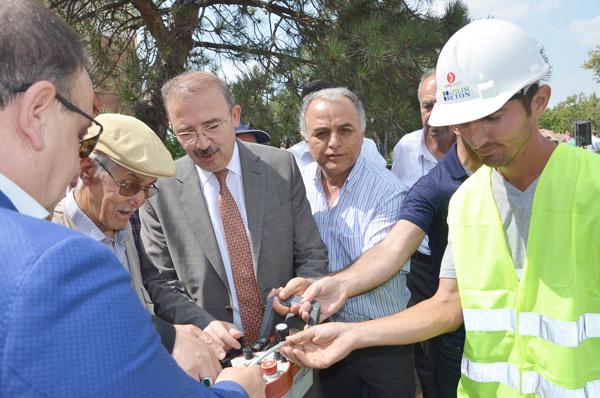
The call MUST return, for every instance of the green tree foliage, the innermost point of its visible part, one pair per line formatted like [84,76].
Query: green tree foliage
[576,108]
[593,62]
[377,48]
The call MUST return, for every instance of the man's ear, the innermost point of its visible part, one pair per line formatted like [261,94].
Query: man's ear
[86,173]
[540,100]
[35,113]
[236,112]
[455,129]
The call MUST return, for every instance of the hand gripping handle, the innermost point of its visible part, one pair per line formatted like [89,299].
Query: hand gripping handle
[269,316]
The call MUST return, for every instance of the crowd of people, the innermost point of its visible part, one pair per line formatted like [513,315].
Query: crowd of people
[440,265]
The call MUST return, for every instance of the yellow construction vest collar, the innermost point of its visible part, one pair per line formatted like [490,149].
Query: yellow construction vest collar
[540,335]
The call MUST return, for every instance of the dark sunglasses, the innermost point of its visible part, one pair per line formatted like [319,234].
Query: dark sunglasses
[131,188]
[86,145]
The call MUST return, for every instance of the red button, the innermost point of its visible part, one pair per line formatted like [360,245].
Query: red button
[269,367]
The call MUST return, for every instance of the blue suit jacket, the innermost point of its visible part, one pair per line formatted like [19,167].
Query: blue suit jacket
[70,324]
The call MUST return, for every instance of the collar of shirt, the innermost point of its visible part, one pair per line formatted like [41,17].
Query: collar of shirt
[423,151]
[313,172]
[23,202]
[302,154]
[87,226]
[234,166]
[453,164]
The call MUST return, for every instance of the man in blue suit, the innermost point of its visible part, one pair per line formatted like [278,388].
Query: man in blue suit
[71,324]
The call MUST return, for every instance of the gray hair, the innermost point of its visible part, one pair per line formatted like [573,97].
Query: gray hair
[424,76]
[331,94]
[99,157]
[188,83]
[36,44]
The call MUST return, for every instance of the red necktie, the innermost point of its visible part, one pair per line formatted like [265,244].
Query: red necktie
[240,257]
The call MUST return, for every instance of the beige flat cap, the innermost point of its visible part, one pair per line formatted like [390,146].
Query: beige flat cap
[132,144]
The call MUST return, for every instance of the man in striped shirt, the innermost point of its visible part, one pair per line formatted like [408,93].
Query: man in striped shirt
[355,204]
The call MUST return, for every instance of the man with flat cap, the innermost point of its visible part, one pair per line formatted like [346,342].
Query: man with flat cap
[116,179]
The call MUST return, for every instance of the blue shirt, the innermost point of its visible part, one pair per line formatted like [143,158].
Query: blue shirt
[367,208]
[426,205]
[72,326]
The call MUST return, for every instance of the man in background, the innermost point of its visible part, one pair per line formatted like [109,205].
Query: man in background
[414,156]
[246,133]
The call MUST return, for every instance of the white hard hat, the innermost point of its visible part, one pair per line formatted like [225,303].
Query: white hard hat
[480,68]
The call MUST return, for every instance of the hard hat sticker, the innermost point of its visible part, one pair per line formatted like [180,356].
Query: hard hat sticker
[456,94]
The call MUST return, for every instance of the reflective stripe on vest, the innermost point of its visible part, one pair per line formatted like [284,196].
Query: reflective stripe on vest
[532,383]
[568,334]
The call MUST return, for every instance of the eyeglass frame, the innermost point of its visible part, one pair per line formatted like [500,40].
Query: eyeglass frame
[145,188]
[86,145]
[203,131]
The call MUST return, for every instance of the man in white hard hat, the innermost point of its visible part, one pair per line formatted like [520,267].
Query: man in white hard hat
[530,308]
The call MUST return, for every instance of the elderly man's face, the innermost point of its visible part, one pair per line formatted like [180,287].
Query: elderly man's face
[334,137]
[427,101]
[206,114]
[107,208]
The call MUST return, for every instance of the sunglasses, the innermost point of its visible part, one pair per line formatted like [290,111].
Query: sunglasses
[86,145]
[131,188]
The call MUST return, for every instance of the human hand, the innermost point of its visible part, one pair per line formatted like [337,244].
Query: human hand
[204,337]
[196,353]
[321,346]
[225,334]
[250,378]
[295,287]
[328,291]
[277,306]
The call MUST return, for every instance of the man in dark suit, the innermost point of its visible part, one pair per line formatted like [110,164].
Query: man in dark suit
[190,267]
[71,324]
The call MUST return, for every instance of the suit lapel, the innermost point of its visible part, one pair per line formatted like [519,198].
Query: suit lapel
[191,201]
[254,177]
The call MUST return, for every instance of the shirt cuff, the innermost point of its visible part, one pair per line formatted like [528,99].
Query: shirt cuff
[229,387]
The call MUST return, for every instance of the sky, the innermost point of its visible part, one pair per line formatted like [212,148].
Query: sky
[567,29]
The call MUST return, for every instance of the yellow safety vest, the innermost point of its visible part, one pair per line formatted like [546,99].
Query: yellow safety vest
[538,336]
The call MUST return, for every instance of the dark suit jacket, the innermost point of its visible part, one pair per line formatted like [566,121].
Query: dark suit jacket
[71,324]
[182,265]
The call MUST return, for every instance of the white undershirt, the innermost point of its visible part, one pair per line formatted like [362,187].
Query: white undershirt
[210,188]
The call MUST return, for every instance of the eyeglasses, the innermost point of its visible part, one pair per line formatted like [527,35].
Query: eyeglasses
[210,132]
[86,145]
[131,188]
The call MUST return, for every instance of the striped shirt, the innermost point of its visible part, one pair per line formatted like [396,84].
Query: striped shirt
[367,208]
[87,227]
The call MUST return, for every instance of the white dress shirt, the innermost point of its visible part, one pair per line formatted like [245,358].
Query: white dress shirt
[24,203]
[368,150]
[412,160]
[210,188]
